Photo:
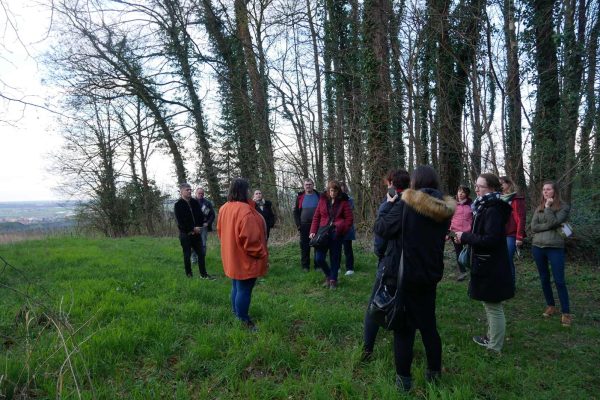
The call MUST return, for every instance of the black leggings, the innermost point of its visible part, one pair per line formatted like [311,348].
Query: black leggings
[420,308]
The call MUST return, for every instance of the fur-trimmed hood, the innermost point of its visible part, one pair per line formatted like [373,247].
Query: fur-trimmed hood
[429,205]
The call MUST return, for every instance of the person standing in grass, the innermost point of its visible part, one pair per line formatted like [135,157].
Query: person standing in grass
[243,234]
[190,221]
[350,236]
[264,208]
[209,218]
[334,208]
[549,247]
[304,210]
[415,226]
[515,227]
[491,278]
[396,182]
[461,222]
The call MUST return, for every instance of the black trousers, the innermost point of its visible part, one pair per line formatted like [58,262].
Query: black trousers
[305,246]
[189,242]
[420,309]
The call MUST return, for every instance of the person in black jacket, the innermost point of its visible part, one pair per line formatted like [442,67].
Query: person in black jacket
[190,221]
[264,208]
[491,276]
[423,215]
[209,217]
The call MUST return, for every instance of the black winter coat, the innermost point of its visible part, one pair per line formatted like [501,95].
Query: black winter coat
[491,278]
[267,213]
[188,215]
[426,221]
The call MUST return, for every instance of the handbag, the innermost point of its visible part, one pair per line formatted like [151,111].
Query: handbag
[464,257]
[566,230]
[324,234]
[387,307]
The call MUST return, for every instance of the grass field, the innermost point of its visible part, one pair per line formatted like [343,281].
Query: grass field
[116,318]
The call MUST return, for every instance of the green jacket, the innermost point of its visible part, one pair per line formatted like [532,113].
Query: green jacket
[545,226]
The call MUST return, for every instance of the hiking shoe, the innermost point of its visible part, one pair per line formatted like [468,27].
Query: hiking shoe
[327,283]
[481,340]
[403,383]
[249,325]
[350,272]
[549,311]
[208,277]
[432,376]
[462,276]
[332,284]
[189,275]
[566,320]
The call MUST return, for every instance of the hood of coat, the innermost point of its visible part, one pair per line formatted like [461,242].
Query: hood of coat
[430,203]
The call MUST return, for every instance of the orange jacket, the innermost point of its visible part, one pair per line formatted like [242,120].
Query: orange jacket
[243,236]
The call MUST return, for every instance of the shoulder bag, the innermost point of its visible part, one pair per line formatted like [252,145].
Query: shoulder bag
[387,308]
[324,234]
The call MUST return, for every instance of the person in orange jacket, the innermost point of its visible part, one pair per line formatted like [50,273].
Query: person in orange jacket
[244,253]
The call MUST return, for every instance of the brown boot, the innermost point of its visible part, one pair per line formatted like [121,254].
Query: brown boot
[566,320]
[550,311]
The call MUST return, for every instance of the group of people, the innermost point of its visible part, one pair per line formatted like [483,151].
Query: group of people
[413,223]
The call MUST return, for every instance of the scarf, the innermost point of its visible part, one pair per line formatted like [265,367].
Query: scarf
[482,200]
[260,203]
[508,197]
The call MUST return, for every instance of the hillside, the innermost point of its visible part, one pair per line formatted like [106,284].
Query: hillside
[116,318]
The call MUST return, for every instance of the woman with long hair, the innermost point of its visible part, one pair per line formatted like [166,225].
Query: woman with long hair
[515,227]
[243,234]
[491,280]
[333,208]
[415,225]
[549,248]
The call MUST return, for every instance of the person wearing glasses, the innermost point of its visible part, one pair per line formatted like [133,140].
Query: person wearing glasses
[304,210]
[491,278]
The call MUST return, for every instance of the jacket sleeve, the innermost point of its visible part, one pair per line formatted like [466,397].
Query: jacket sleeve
[389,221]
[316,221]
[519,207]
[552,218]
[297,212]
[493,230]
[343,226]
[251,237]
[210,218]
[270,215]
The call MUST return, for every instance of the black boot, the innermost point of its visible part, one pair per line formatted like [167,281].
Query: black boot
[403,383]
[432,376]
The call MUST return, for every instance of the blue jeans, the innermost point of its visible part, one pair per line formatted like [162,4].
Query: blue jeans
[511,244]
[241,293]
[556,257]
[335,255]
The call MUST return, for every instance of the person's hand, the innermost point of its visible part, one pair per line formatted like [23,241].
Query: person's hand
[549,202]
[205,224]
[458,237]
[519,243]
[312,235]
[197,229]
[391,199]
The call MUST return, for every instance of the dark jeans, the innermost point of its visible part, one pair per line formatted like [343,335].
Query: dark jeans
[241,294]
[511,244]
[189,242]
[556,257]
[305,246]
[335,255]
[371,328]
[457,249]
[349,255]
[420,309]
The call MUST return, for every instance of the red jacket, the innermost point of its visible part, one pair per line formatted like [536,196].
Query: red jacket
[343,218]
[516,222]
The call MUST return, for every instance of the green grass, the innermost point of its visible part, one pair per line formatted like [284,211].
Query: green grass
[134,327]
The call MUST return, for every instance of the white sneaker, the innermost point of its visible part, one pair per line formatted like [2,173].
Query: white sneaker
[349,272]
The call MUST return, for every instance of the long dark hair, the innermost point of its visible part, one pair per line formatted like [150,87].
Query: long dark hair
[556,203]
[424,176]
[238,191]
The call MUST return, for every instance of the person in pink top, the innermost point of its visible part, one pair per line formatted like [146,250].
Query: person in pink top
[461,222]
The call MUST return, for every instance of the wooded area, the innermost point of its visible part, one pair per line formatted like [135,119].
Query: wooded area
[279,90]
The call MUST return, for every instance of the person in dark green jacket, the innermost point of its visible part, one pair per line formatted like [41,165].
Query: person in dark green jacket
[549,248]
